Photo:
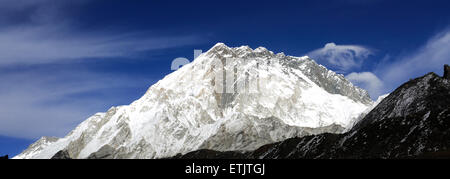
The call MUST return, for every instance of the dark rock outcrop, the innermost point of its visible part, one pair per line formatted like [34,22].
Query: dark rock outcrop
[106,152]
[412,122]
[211,154]
[4,157]
[447,72]
[62,154]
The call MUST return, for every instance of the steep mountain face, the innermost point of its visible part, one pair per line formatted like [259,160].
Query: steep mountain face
[412,122]
[226,99]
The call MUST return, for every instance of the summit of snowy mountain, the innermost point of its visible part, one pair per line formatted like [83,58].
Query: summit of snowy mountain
[226,99]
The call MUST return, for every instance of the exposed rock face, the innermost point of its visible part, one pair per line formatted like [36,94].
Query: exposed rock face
[212,154]
[447,71]
[62,154]
[4,157]
[412,122]
[106,152]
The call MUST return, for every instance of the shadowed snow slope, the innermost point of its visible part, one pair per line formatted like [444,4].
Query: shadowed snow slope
[266,98]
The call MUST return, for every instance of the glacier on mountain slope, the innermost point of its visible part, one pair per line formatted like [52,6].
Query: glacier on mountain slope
[183,112]
[354,121]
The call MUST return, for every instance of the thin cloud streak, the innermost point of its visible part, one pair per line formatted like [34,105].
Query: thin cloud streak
[43,31]
[46,44]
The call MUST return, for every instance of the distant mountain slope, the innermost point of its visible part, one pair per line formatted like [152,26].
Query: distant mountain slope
[412,122]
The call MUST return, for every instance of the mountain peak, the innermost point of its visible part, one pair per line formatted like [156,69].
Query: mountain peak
[330,81]
[220,50]
[219,46]
[261,50]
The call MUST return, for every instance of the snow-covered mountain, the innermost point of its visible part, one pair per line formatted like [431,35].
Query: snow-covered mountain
[266,98]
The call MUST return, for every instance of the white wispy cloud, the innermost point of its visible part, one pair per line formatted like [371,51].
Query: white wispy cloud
[368,81]
[342,58]
[428,58]
[43,44]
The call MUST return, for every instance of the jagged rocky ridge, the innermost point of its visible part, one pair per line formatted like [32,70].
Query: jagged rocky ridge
[294,97]
[412,122]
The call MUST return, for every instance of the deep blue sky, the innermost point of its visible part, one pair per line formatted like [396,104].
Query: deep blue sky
[62,61]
